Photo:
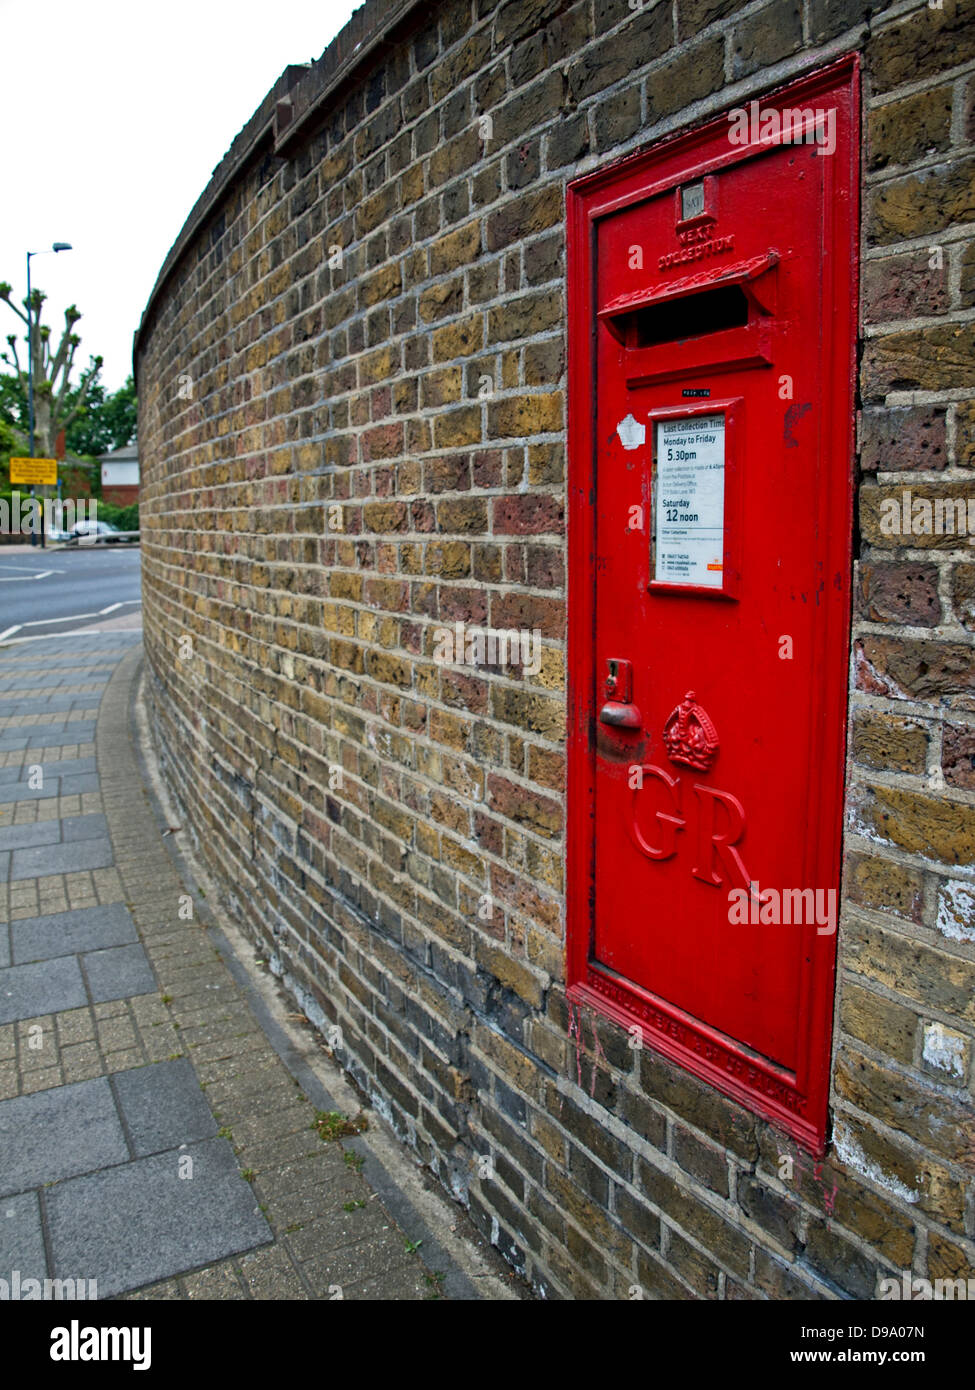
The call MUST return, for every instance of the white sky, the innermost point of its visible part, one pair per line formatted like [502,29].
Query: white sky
[131,106]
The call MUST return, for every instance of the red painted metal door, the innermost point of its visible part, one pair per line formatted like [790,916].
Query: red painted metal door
[712,289]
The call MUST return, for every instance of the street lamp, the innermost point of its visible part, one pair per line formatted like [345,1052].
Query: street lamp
[57,246]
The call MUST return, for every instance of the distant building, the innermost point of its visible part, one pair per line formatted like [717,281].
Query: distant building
[120,475]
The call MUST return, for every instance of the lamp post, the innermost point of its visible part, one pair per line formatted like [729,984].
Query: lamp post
[57,246]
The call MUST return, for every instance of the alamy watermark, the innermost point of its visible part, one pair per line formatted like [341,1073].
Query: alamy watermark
[805,125]
[787,907]
[915,1289]
[77,1343]
[21,1289]
[928,516]
[484,646]
[24,516]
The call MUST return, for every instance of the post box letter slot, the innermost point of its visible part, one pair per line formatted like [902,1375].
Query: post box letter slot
[717,320]
[673,320]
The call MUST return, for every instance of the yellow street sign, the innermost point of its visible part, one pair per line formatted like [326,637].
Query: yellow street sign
[33,471]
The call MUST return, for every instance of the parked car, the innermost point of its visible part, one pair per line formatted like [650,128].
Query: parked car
[98,533]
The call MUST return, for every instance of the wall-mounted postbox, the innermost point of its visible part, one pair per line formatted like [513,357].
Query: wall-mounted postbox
[712,329]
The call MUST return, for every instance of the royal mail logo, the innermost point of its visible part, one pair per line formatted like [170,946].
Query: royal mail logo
[690,736]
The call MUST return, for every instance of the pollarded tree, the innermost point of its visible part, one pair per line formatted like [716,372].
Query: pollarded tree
[56,403]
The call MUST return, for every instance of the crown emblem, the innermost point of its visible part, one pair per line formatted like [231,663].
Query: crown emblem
[690,735]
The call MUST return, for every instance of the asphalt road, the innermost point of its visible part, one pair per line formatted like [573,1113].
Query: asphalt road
[56,591]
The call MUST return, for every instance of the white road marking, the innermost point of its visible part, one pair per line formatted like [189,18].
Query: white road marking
[81,632]
[73,618]
[76,617]
[28,564]
[27,574]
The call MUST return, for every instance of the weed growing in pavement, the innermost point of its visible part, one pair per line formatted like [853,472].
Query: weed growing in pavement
[332,1124]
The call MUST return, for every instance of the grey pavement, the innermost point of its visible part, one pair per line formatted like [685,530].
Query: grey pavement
[152,1138]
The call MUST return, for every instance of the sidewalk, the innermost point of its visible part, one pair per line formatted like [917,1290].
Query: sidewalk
[156,1114]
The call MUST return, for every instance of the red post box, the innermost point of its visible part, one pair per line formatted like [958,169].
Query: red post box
[712,323]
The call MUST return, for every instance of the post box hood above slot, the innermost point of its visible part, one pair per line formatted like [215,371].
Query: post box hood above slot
[753,275]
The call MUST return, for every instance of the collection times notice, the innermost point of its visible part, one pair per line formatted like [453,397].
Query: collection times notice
[689,501]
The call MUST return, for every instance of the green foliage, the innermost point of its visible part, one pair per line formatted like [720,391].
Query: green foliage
[10,443]
[332,1124]
[79,480]
[13,440]
[125,518]
[13,400]
[105,421]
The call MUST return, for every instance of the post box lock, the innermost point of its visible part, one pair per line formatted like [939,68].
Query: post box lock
[618,710]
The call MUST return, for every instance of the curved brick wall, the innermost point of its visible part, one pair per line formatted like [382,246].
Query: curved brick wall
[352,410]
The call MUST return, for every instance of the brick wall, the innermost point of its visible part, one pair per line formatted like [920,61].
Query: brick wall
[352,406]
[121,495]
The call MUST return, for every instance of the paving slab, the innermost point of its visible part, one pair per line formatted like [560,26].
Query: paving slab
[48,987]
[67,933]
[46,832]
[89,827]
[80,731]
[57,1134]
[75,786]
[118,972]
[35,678]
[43,860]
[163,1106]
[181,1223]
[61,767]
[51,832]
[21,791]
[22,1237]
[50,704]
